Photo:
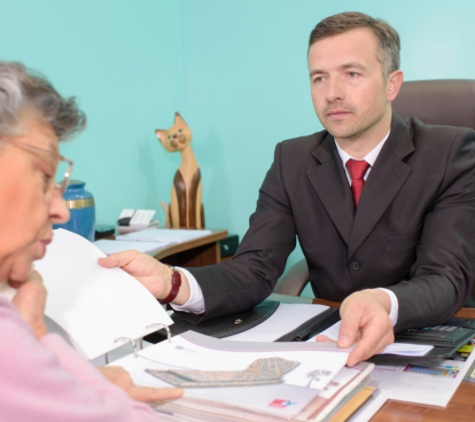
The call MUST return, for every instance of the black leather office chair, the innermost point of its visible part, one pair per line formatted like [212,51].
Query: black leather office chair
[443,102]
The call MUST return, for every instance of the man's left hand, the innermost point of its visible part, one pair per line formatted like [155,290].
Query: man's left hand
[365,322]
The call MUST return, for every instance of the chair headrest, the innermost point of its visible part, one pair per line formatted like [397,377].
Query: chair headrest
[438,102]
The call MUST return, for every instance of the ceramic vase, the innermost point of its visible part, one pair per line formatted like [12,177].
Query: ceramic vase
[80,203]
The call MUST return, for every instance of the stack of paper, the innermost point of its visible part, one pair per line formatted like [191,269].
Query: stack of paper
[426,381]
[164,235]
[318,387]
[137,227]
[109,246]
[149,240]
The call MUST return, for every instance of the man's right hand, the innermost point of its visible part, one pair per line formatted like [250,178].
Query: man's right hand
[154,275]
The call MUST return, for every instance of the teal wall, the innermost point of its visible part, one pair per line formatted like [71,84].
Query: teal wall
[235,69]
[122,59]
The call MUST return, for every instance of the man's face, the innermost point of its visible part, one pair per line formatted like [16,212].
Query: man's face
[349,93]
[30,204]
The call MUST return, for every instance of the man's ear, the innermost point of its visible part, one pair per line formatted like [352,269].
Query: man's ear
[395,80]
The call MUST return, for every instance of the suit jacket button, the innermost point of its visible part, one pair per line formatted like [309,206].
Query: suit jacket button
[355,265]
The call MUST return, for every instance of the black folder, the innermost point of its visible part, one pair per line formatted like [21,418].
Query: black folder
[223,326]
[446,339]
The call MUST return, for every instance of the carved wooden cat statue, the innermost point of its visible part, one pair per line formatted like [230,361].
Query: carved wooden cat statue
[186,209]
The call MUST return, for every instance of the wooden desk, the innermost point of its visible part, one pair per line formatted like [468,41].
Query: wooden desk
[194,253]
[460,409]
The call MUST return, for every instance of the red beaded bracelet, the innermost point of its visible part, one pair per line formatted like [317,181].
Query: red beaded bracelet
[176,283]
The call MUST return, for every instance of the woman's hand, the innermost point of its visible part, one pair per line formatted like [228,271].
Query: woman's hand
[121,378]
[30,300]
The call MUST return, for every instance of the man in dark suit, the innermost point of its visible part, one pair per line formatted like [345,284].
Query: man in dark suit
[384,210]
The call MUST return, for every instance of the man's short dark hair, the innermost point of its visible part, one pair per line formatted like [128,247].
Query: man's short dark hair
[386,35]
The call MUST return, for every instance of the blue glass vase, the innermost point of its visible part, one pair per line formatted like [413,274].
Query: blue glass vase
[80,203]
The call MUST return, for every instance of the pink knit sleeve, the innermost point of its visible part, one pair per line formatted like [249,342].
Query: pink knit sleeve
[46,380]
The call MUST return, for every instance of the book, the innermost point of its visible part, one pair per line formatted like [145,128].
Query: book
[371,406]
[99,308]
[351,404]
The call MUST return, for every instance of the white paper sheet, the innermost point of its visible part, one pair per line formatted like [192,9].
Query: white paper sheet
[401,349]
[164,235]
[126,213]
[319,362]
[109,246]
[94,305]
[142,218]
[286,318]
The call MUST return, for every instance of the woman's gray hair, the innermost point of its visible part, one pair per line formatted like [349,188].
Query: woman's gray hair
[22,89]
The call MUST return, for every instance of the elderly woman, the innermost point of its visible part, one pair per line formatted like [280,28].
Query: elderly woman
[41,377]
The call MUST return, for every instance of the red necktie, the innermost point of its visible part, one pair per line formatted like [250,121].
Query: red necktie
[357,170]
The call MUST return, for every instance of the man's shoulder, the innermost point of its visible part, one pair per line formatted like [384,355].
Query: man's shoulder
[441,133]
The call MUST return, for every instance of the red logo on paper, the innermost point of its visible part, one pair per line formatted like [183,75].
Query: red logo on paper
[280,403]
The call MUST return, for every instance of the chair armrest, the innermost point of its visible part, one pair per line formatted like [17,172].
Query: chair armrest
[294,280]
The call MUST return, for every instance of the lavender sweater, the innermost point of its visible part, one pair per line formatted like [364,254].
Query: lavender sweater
[46,381]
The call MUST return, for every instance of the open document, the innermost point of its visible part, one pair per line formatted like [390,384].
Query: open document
[311,390]
[316,363]
[99,308]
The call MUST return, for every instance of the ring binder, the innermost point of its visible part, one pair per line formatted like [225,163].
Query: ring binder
[159,325]
[124,339]
[128,340]
[83,307]
[162,326]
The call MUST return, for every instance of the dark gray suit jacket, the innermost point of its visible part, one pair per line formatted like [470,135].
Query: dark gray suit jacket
[413,231]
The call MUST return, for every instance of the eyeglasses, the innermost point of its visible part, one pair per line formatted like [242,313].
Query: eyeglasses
[57,160]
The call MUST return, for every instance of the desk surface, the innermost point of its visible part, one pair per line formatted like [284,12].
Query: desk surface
[461,408]
[194,253]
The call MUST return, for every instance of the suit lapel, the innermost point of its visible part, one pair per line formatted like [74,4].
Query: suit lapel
[329,181]
[384,181]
